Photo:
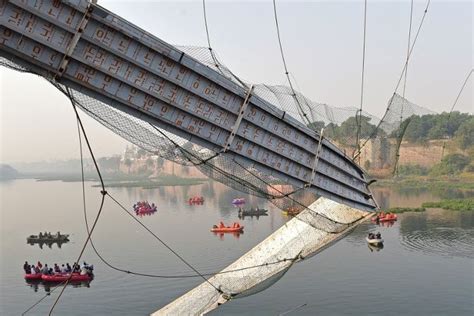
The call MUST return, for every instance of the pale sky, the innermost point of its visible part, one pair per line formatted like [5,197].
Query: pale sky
[323,48]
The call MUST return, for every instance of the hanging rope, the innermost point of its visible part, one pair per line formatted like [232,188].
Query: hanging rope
[374,133]
[452,108]
[362,81]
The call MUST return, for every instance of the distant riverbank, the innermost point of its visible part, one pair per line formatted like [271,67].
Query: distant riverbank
[119,180]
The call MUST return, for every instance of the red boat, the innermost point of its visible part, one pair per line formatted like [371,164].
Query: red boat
[390,217]
[227,229]
[31,277]
[76,277]
[196,200]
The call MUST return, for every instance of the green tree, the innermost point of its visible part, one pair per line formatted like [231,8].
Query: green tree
[465,134]
[450,165]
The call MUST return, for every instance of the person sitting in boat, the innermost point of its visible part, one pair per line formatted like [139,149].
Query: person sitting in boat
[84,270]
[56,268]
[75,267]
[63,268]
[37,270]
[378,236]
[32,269]
[40,235]
[25,266]
[45,269]
[39,264]
[68,268]
[371,236]
[59,234]
[221,225]
[27,269]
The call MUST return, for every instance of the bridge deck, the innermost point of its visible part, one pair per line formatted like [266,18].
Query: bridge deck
[101,55]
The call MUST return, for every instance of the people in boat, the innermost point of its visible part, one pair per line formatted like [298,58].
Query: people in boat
[32,269]
[37,270]
[378,235]
[40,235]
[56,268]
[75,267]
[45,269]
[39,264]
[68,268]
[371,236]
[25,266]
[221,225]
[63,268]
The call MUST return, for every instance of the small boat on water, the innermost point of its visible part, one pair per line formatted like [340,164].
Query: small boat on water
[32,277]
[374,241]
[384,217]
[253,212]
[196,200]
[227,229]
[144,208]
[47,238]
[238,201]
[59,277]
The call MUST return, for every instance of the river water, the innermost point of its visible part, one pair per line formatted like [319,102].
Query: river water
[425,268]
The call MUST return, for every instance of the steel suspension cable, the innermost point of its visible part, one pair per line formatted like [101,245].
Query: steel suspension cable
[452,107]
[362,80]
[400,130]
[213,56]
[103,192]
[287,74]
[374,133]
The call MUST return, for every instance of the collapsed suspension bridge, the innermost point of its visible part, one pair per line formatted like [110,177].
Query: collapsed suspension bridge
[169,103]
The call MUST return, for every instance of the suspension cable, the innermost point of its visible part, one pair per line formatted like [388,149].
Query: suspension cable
[400,130]
[287,74]
[399,80]
[452,107]
[213,55]
[103,193]
[359,127]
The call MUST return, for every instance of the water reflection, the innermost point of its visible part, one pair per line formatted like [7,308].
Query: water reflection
[48,243]
[234,234]
[35,285]
[375,248]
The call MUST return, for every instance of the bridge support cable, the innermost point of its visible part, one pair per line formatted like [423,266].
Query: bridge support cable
[454,105]
[103,194]
[359,118]
[374,133]
[303,114]
[401,131]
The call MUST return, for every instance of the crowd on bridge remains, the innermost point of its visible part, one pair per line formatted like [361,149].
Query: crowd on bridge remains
[56,269]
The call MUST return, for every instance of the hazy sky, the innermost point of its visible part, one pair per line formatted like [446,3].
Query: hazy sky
[323,47]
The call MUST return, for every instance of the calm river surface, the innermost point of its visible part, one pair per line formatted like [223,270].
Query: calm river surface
[426,267]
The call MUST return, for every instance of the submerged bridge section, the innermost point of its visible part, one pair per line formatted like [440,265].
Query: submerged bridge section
[91,50]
